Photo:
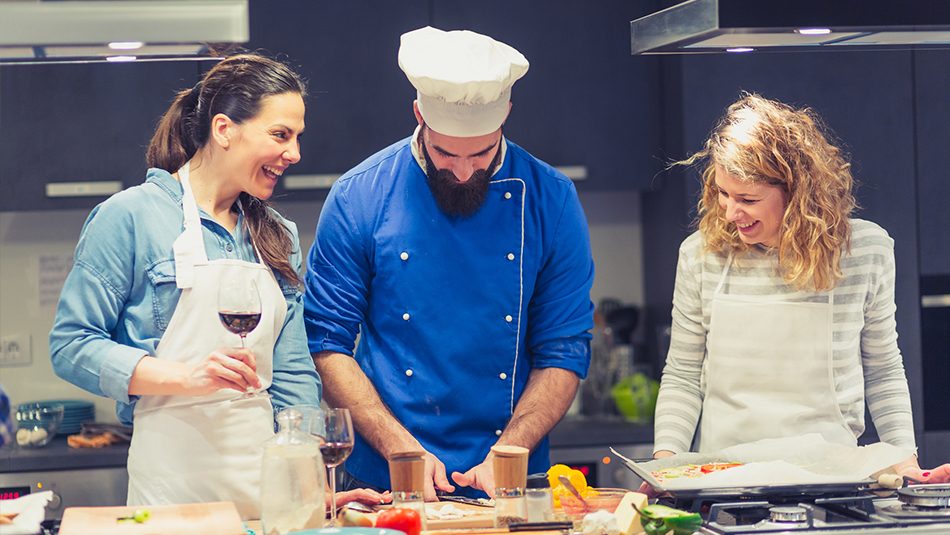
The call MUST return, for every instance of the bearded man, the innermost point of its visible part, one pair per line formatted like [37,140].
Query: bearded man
[464,265]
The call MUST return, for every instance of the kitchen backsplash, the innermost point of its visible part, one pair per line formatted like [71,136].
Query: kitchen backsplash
[36,246]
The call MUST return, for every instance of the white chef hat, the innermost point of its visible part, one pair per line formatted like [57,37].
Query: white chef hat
[463,79]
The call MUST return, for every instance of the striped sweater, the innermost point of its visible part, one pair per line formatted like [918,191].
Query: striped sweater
[867,361]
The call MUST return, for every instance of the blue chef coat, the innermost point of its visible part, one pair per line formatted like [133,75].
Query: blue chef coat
[453,313]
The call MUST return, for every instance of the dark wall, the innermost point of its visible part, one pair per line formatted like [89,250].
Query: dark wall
[932,98]
[584,102]
[80,122]
[872,101]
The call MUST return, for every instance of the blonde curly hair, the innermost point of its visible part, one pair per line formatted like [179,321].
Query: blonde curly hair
[764,141]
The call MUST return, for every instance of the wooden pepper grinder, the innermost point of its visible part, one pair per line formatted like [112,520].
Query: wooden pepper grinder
[510,468]
[407,480]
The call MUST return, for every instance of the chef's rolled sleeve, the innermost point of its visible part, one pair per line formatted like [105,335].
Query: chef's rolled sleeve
[560,314]
[337,282]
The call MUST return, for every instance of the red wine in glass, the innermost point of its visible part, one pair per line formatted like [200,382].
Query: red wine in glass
[240,323]
[239,309]
[334,453]
[336,448]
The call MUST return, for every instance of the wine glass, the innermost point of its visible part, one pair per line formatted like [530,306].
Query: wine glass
[313,421]
[239,309]
[336,447]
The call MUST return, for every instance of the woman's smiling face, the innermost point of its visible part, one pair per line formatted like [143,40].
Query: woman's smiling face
[268,143]
[755,208]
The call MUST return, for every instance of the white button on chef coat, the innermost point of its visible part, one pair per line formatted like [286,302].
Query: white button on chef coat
[511,256]
[409,373]
[502,376]
[507,195]
[405,316]
[508,318]
[404,255]
[497,432]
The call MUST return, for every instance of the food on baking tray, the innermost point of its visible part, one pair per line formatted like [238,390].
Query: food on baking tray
[716,467]
[690,471]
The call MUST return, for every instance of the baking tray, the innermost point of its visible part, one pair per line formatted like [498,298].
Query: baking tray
[703,490]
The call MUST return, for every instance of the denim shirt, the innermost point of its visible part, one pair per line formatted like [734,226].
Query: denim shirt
[121,293]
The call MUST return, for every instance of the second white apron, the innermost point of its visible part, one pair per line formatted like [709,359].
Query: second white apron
[768,371]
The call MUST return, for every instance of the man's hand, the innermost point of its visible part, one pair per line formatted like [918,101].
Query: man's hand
[435,478]
[479,477]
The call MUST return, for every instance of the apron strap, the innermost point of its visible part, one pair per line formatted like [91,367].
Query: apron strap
[189,248]
[725,272]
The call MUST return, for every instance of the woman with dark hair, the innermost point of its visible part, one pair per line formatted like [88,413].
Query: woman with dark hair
[138,316]
[783,310]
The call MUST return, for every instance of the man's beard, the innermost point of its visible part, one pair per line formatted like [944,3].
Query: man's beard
[456,198]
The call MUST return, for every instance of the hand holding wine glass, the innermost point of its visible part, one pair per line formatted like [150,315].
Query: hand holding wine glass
[239,309]
[336,448]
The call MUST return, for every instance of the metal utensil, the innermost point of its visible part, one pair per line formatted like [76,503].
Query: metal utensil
[480,502]
[357,506]
[573,490]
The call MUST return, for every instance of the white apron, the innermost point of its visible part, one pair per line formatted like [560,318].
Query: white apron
[188,449]
[768,371]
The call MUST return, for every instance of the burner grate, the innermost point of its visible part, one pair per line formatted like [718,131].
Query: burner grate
[925,496]
[910,512]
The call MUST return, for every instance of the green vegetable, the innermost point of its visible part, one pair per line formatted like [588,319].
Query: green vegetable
[662,520]
[139,516]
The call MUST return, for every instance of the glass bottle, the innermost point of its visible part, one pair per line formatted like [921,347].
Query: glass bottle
[293,479]
[510,468]
[509,506]
[540,502]
[407,479]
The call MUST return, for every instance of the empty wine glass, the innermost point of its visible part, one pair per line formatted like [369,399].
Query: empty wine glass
[337,446]
[239,309]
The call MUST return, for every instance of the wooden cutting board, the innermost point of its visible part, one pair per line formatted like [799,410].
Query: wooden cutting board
[482,517]
[187,519]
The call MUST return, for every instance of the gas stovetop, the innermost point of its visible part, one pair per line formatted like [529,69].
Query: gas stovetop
[920,509]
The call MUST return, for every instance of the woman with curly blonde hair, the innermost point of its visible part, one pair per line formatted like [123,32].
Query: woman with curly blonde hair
[783,308]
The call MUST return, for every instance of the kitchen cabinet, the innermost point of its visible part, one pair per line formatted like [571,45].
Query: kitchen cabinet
[585,100]
[79,123]
[932,90]
[360,101]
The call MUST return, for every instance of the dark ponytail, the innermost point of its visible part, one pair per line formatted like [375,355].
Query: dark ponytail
[173,141]
[234,87]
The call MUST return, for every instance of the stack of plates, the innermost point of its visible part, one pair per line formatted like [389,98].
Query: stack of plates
[75,412]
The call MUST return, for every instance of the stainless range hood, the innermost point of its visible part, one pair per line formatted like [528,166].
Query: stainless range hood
[714,26]
[118,30]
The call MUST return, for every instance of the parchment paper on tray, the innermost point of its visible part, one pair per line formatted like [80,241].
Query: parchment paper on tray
[801,460]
